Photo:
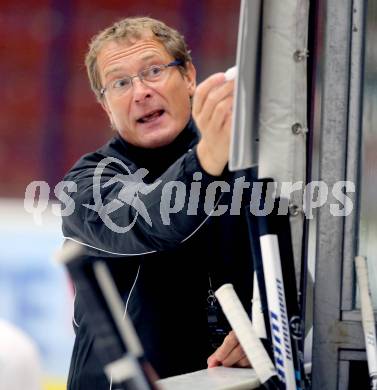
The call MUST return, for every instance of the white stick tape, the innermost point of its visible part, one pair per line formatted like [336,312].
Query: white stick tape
[241,324]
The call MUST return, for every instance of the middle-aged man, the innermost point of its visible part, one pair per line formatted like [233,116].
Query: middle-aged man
[155,202]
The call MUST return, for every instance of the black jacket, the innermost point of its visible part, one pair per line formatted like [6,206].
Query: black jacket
[173,261]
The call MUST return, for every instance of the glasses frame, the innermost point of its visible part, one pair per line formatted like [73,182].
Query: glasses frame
[141,78]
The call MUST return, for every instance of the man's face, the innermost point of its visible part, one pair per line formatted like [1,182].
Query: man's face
[147,115]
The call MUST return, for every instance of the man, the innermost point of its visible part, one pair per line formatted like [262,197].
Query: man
[167,253]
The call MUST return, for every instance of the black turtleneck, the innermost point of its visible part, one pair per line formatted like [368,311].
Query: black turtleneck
[157,160]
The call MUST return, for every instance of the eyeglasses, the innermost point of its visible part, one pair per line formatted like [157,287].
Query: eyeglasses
[151,74]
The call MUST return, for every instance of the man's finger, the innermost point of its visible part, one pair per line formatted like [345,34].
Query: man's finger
[229,343]
[215,99]
[243,363]
[203,89]
[234,356]
[213,362]
[222,111]
[217,95]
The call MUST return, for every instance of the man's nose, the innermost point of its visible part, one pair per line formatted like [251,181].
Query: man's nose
[141,91]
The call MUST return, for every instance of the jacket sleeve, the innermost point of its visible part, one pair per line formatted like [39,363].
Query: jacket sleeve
[129,218]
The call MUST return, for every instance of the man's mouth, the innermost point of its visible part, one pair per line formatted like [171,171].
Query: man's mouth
[151,116]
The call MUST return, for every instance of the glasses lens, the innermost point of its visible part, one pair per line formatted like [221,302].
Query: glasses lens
[121,85]
[152,73]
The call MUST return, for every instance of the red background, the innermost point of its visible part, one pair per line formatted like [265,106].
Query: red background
[48,115]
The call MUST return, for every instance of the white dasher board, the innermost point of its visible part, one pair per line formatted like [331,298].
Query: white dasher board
[217,378]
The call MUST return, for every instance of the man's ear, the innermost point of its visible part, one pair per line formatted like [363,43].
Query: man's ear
[106,107]
[190,78]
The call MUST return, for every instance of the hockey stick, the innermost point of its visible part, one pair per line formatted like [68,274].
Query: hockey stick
[282,227]
[252,346]
[117,346]
[273,258]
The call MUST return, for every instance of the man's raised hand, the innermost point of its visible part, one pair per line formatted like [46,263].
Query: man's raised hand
[212,112]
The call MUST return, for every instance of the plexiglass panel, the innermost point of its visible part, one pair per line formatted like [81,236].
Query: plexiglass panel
[368,216]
